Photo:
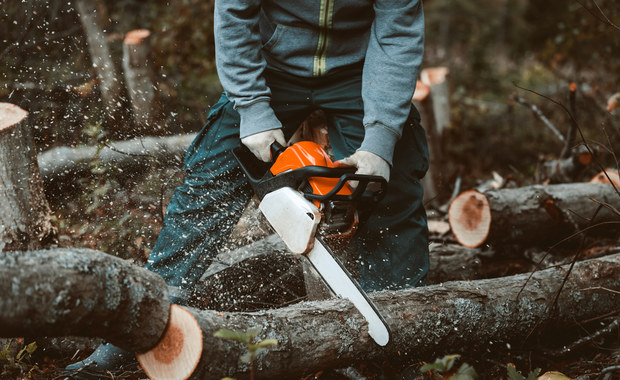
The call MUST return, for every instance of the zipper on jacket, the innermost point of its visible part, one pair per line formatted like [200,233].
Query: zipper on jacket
[325,25]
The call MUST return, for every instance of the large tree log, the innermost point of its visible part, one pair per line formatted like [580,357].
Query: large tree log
[81,292]
[531,214]
[24,212]
[452,317]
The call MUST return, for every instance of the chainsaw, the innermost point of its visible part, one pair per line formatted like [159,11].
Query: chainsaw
[311,205]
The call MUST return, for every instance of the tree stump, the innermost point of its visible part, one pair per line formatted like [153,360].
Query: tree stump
[432,98]
[140,80]
[24,211]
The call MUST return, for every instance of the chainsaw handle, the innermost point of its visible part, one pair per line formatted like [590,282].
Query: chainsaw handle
[276,148]
[346,174]
[263,182]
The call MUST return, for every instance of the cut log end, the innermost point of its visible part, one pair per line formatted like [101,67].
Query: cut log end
[470,218]
[602,178]
[136,37]
[10,115]
[585,158]
[433,75]
[422,90]
[178,352]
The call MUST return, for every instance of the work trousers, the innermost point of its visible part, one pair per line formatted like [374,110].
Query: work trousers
[392,240]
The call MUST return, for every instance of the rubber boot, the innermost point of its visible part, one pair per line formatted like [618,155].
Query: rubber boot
[106,360]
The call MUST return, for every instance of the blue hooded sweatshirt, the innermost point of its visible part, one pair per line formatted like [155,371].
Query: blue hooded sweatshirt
[312,38]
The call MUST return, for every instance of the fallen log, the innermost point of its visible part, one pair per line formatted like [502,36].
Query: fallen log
[130,155]
[530,214]
[452,317]
[567,169]
[25,216]
[81,292]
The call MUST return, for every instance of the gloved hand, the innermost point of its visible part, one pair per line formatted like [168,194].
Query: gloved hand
[260,143]
[366,163]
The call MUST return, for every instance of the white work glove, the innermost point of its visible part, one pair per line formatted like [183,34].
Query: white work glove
[260,143]
[366,163]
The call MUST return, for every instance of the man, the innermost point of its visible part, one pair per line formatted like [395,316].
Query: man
[358,61]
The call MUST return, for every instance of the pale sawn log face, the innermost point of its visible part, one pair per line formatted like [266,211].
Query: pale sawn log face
[81,292]
[426,322]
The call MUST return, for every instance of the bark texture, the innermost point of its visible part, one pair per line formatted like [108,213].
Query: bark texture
[539,213]
[130,155]
[567,169]
[100,55]
[81,292]
[140,79]
[24,211]
[425,322]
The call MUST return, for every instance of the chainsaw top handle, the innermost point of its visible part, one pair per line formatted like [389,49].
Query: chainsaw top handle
[264,182]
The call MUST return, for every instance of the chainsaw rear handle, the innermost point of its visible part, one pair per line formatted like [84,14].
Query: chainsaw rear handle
[264,182]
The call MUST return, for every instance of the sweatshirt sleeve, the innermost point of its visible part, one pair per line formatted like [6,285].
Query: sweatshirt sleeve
[392,65]
[240,64]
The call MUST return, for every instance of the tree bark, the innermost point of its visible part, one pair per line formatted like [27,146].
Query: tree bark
[423,102]
[432,98]
[81,292]
[567,169]
[100,56]
[140,80]
[24,212]
[58,164]
[425,322]
[531,214]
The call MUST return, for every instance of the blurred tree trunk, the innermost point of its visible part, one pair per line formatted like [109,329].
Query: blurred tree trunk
[100,56]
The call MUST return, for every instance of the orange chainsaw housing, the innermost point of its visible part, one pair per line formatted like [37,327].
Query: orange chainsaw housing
[308,153]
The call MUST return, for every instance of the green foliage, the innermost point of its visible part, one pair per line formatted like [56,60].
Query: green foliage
[513,374]
[247,338]
[20,363]
[443,368]
[568,32]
